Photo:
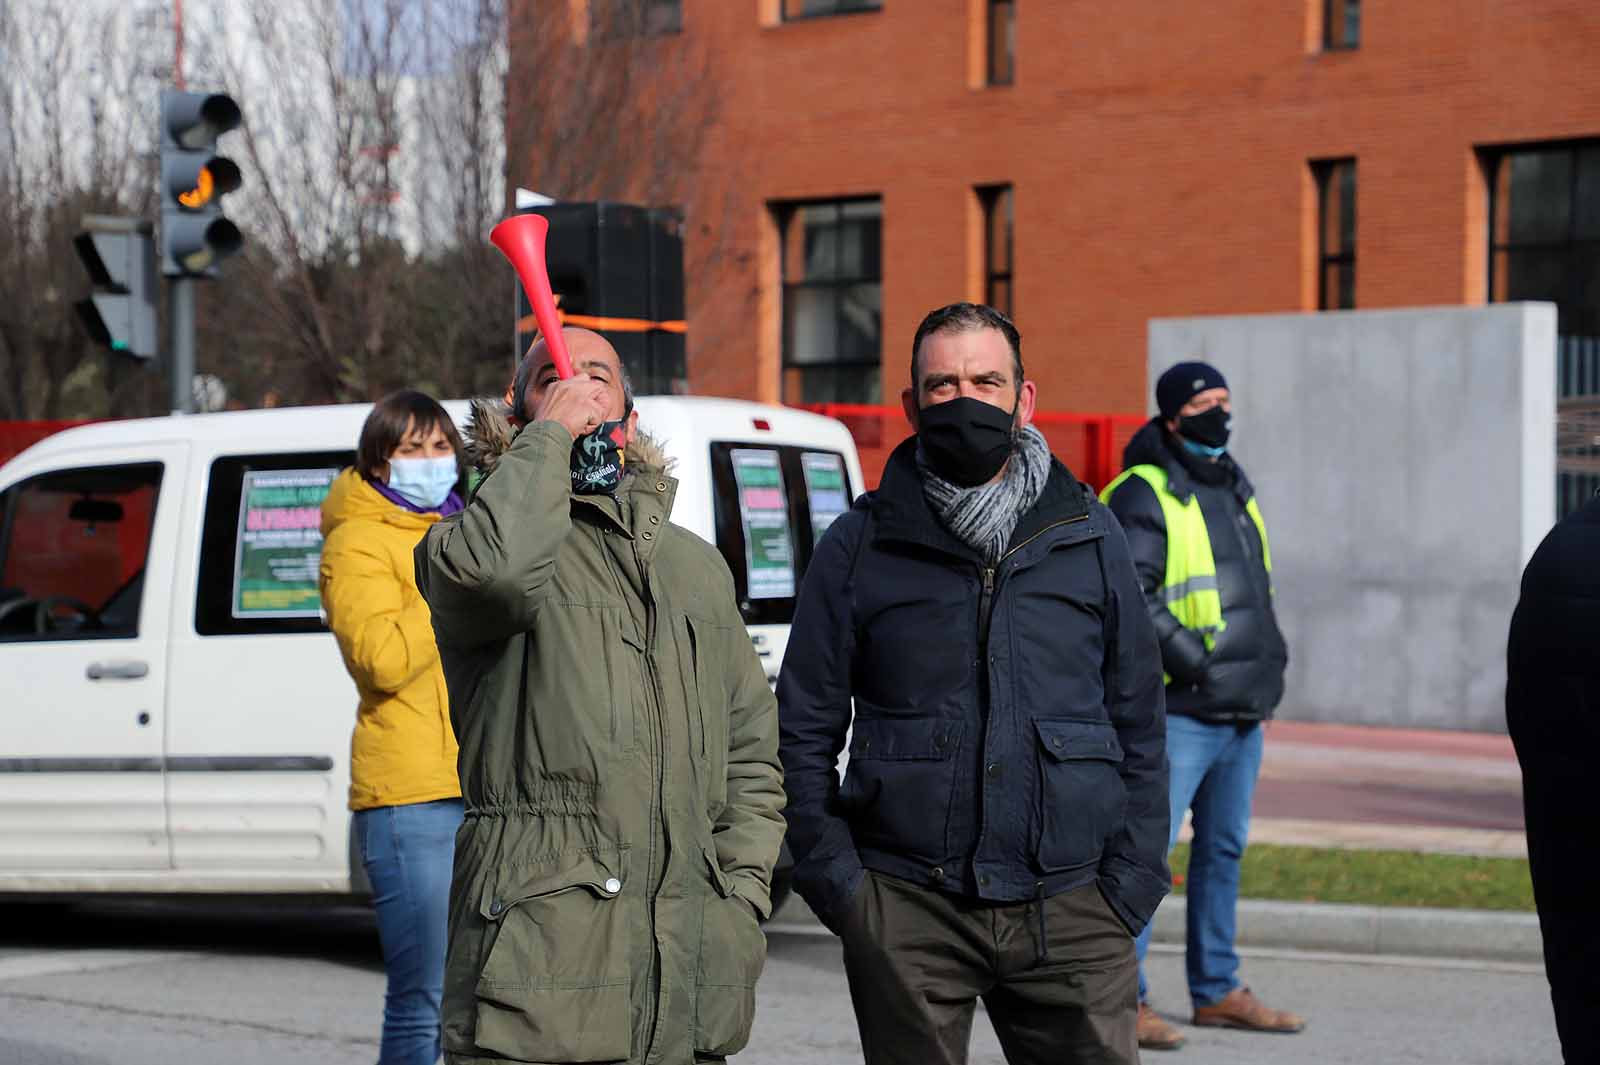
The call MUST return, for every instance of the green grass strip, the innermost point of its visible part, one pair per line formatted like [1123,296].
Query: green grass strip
[1376,878]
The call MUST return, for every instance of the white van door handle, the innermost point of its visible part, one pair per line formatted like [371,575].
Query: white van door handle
[120,669]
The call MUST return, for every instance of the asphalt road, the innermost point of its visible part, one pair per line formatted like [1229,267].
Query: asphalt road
[157,984]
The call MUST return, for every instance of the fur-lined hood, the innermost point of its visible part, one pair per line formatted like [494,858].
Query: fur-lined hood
[490,432]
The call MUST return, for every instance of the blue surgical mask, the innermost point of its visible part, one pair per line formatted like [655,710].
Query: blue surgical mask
[424,482]
[1196,448]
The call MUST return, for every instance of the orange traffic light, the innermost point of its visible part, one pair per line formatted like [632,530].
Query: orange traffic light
[204,186]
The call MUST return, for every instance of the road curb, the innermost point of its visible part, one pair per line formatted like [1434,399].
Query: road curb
[1416,932]
[1331,927]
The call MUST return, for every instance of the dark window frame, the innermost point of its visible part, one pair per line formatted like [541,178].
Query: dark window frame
[1578,318]
[844,7]
[219,532]
[154,467]
[728,526]
[996,77]
[671,26]
[990,197]
[1324,171]
[783,216]
[1338,12]
[1494,160]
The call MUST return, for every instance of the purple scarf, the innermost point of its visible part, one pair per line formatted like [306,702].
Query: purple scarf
[452,503]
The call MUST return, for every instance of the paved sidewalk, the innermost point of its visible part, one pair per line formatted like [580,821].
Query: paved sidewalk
[1376,788]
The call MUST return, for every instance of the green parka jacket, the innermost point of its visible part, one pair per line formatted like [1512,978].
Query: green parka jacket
[619,766]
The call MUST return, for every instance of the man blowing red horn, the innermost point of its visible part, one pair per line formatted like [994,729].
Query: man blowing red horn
[618,744]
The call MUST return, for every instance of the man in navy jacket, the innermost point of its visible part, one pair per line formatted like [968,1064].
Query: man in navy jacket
[1001,830]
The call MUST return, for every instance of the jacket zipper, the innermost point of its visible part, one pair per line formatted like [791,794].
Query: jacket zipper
[1041,532]
[986,597]
[985,615]
[658,793]
[652,720]
[1242,528]
[985,608]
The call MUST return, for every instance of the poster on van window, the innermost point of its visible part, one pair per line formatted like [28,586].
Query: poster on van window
[279,545]
[825,490]
[764,511]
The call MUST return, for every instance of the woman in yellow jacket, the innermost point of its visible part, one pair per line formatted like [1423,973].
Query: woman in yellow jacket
[403,786]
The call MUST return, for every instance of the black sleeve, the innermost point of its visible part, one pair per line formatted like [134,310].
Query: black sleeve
[814,712]
[1134,866]
[1183,652]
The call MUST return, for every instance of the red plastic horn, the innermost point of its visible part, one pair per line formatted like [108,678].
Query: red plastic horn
[521,238]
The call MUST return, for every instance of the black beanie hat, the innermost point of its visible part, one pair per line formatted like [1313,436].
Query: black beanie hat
[1183,382]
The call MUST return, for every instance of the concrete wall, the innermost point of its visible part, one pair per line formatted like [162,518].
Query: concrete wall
[1405,463]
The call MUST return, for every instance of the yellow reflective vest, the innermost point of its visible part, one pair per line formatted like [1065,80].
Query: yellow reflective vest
[1189,588]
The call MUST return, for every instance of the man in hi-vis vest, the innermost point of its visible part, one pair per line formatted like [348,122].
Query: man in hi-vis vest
[1200,548]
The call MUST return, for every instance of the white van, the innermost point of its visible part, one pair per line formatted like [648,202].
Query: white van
[176,716]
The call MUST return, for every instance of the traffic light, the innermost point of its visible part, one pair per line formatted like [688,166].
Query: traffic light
[194,234]
[120,256]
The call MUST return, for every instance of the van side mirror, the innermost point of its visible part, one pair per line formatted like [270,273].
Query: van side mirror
[95,511]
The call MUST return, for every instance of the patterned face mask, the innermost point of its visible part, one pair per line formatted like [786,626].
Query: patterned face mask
[597,458]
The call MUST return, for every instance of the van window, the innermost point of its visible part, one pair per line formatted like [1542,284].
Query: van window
[773,503]
[73,548]
[827,489]
[262,542]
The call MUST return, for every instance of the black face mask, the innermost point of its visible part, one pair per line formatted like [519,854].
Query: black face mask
[966,441]
[597,458]
[1209,427]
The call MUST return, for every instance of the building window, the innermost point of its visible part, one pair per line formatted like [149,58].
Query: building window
[76,543]
[1336,234]
[997,250]
[1341,24]
[1002,42]
[832,300]
[1544,240]
[613,19]
[1544,244]
[794,10]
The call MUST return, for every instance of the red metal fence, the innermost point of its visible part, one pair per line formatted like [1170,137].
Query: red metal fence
[1090,444]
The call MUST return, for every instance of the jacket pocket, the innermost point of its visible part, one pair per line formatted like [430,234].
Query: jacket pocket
[1082,799]
[554,984]
[733,950]
[900,782]
[624,651]
[707,696]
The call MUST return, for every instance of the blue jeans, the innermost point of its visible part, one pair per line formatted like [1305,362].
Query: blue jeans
[1214,771]
[408,852]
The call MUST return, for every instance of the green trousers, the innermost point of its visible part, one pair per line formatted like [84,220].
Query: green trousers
[1058,976]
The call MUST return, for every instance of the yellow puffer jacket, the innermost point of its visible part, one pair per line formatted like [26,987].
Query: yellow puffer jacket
[403,749]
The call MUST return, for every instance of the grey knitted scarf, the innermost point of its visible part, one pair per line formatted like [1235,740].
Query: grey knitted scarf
[984,517]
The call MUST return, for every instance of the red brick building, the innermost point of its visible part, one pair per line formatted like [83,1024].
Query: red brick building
[1097,165]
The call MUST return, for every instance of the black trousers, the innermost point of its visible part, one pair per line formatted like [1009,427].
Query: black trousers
[1059,977]
[1556,730]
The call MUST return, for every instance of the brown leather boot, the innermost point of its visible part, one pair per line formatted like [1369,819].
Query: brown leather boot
[1155,1033]
[1241,1009]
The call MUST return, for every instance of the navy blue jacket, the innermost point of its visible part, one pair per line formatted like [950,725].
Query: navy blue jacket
[1009,736]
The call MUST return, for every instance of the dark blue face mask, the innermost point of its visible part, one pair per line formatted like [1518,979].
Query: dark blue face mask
[1206,433]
